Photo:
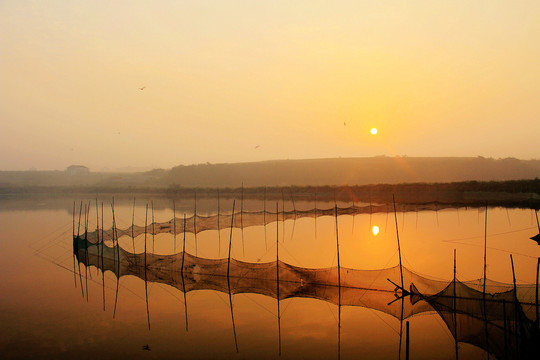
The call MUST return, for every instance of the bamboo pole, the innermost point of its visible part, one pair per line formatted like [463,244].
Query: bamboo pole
[283,213]
[407,340]
[264,219]
[183,246]
[80,277]
[315,214]
[145,267]
[399,247]
[228,278]
[73,232]
[174,226]
[218,226]
[516,318]
[97,235]
[85,221]
[242,221]
[337,248]
[339,281]
[133,225]
[232,314]
[485,251]
[277,277]
[454,307]
[153,229]
[401,328]
[97,224]
[370,211]
[353,213]
[102,264]
[504,327]
[293,204]
[230,242]
[118,263]
[339,324]
[74,270]
[195,222]
[86,248]
[484,285]
[102,238]
[79,225]
[277,245]
[185,298]
[536,294]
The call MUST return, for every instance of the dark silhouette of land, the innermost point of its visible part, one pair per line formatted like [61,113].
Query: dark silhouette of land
[466,181]
[315,172]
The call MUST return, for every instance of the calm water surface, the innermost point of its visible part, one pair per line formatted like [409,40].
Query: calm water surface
[51,310]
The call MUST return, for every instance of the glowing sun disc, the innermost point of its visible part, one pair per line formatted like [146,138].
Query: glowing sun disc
[375,230]
[373,131]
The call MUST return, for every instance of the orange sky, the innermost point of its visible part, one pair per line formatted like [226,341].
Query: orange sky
[299,79]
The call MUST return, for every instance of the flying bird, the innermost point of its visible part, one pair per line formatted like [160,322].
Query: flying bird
[146,347]
[142,88]
[258,146]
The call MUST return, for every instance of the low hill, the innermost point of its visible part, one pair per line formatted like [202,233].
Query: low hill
[315,172]
[351,171]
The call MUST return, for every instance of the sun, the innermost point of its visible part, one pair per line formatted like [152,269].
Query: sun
[375,230]
[373,131]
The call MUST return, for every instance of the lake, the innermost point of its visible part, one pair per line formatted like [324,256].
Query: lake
[57,302]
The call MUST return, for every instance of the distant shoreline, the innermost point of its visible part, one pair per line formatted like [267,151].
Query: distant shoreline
[512,193]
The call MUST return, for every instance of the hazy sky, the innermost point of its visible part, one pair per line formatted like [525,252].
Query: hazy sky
[298,79]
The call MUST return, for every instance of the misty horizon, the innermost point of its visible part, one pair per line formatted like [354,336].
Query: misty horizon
[135,169]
